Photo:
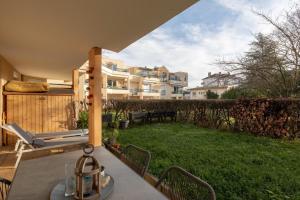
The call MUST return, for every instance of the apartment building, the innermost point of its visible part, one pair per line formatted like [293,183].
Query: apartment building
[145,83]
[200,92]
[220,80]
[217,83]
[133,82]
[115,79]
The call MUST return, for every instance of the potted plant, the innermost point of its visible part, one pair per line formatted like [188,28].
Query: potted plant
[82,122]
[113,134]
[123,123]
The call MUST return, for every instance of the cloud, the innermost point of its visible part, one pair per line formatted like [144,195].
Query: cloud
[194,46]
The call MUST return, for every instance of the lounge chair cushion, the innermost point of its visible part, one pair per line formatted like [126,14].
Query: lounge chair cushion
[19,86]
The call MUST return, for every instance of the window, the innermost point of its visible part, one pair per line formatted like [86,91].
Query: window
[111,83]
[163,92]
[194,93]
[114,67]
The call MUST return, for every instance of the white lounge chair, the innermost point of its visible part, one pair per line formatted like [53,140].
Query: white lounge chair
[43,139]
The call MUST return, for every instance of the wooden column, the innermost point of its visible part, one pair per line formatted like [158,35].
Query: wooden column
[95,96]
[1,109]
[141,87]
[75,80]
[104,89]
[75,87]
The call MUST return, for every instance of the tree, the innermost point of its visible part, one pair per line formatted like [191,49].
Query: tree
[271,66]
[239,92]
[211,95]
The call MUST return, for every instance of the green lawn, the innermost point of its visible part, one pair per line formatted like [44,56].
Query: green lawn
[238,166]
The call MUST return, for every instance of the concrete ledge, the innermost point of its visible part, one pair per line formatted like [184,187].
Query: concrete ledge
[48,151]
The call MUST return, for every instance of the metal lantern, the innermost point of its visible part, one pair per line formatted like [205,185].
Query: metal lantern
[87,173]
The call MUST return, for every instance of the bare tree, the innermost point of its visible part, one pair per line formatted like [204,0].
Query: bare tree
[272,63]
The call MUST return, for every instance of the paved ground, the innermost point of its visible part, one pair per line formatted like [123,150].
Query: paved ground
[7,162]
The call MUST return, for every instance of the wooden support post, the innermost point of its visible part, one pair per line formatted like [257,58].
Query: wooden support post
[95,96]
[75,87]
[1,109]
[75,80]
[104,89]
[141,87]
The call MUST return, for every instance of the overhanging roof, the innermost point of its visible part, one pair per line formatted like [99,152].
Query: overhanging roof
[48,38]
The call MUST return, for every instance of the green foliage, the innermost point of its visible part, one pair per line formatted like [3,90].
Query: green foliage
[238,166]
[238,92]
[83,118]
[276,118]
[211,95]
[114,132]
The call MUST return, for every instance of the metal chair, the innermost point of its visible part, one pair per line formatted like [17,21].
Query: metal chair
[178,184]
[137,159]
[4,188]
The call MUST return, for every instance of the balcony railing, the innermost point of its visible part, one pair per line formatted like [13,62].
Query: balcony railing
[177,92]
[120,70]
[145,75]
[149,91]
[136,91]
[117,88]
[116,69]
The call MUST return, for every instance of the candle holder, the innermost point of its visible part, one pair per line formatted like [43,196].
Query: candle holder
[87,173]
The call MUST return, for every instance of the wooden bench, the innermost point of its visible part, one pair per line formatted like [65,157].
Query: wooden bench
[162,116]
[138,117]
[107,118]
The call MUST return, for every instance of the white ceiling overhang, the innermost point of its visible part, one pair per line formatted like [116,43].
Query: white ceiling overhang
[49,38]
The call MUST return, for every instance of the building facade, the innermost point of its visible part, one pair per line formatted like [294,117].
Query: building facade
[200,92]
[217,83]
[120,81]
[220,80]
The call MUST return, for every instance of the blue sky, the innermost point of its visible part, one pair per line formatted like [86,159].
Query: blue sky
[209,30]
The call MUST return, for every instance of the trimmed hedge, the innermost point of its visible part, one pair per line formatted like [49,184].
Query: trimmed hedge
[277,118]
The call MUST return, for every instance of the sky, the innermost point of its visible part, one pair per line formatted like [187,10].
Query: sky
[207,31]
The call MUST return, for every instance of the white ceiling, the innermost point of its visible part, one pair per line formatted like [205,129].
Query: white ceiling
[49,38]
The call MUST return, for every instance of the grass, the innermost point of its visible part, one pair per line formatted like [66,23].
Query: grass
[238,166]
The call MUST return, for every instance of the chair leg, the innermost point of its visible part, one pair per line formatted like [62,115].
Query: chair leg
[19,155]
[17,144]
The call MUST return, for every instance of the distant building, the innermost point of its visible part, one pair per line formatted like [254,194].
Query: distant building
[169,85]
[121,81]
[200,92]
[217,83]
[220,80]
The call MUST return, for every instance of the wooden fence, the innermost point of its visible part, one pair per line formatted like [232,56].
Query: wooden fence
[38,113]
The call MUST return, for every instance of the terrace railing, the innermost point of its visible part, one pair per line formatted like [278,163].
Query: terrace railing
[136,91]
[117,88]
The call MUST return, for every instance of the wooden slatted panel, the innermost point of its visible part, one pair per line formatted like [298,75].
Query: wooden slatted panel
[39,113]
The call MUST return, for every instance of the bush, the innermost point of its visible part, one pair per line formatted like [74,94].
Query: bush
[268,117]
[238,92]
[211,95]
[83,118]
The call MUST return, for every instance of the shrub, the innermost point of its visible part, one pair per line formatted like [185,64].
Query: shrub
[238,92]
[211,95]
[83,118]
[268,117]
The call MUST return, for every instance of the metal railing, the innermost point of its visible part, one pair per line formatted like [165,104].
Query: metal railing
[117,88]
[136,91]
[149,91]
[177,92]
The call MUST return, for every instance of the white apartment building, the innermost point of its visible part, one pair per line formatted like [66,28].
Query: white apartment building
[220,80]
[200,92]
[126,82]
[217,83]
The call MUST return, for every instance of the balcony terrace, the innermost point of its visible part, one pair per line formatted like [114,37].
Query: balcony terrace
[117,90]
[116,72]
